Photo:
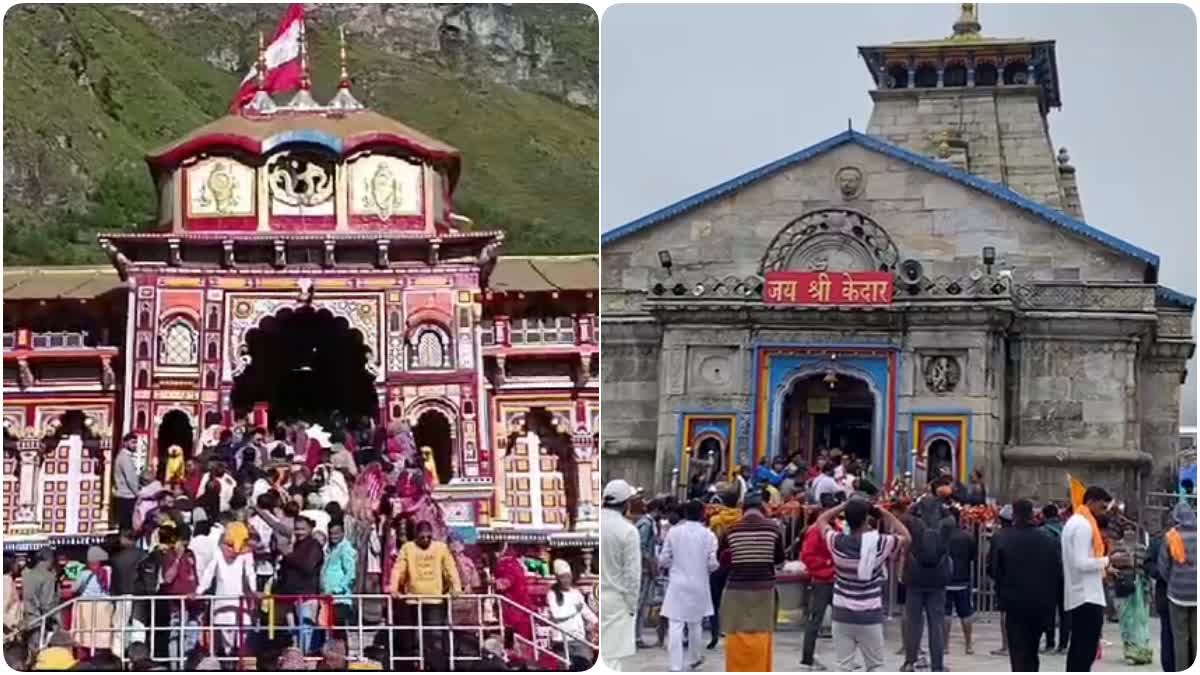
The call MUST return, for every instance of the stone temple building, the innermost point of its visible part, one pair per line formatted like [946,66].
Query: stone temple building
[926,294]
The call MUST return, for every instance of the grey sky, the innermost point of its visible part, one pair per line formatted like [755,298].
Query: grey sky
[692,95]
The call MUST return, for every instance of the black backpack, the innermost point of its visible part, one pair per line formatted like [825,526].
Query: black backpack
[931,550]
[146,580]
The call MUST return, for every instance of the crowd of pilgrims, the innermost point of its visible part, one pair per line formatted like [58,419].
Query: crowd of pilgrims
[286,527]
[1059,572]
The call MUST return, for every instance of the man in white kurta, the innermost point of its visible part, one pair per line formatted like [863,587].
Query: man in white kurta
[620,575]
[689,555]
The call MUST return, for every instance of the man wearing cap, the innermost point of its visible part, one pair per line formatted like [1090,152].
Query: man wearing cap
[620,576]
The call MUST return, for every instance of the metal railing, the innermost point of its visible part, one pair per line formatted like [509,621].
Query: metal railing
[241,620]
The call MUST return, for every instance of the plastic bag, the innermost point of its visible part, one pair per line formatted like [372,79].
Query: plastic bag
[1135,627]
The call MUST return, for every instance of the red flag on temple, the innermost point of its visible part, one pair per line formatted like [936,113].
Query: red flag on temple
[281,60]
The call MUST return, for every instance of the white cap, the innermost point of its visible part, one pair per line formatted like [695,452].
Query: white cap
[618,492]
[561,567]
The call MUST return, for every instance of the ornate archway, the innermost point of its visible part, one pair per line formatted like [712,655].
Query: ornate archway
[307,363]
[247,313]
[834,239]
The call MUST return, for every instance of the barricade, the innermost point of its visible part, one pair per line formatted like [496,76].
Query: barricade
[229,627]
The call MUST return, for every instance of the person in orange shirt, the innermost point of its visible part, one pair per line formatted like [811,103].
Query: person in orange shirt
[425,567]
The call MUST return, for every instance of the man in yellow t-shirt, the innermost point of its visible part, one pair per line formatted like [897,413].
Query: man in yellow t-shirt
[425,567]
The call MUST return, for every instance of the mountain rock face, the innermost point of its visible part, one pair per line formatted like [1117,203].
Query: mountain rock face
[90,88]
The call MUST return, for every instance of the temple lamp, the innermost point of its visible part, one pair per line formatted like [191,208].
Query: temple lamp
[989,257]
[664,259]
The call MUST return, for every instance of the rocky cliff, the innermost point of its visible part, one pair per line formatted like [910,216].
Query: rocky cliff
[89,88]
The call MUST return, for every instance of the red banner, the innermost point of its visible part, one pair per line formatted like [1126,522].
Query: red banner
[828,288]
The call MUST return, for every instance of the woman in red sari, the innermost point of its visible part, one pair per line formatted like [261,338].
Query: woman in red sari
[513,586]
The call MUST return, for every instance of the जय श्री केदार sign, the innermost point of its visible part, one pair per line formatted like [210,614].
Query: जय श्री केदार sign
[828,288]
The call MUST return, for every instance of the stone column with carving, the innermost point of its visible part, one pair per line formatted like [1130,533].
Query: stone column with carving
[29,466]
[1161,373]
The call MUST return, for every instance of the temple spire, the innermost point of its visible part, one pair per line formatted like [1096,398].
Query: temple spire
[343,99]
[968,25]
[262,103]
[303,99]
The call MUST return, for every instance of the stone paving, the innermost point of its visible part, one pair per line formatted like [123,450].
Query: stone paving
[987,637]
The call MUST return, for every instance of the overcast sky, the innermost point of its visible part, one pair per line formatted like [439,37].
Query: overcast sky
[692,95]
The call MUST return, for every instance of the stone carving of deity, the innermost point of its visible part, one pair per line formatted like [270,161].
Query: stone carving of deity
[849,181]
[942,374]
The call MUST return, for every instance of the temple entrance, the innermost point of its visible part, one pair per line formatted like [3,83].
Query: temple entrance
[710,454]
[939,456]
[175,429]
[829,410]
[307,365]
[433,430]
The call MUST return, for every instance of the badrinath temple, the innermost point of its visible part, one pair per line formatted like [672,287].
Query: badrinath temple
[307,258]
[926,295]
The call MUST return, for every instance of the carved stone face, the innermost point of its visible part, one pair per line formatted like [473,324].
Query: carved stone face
[849,180]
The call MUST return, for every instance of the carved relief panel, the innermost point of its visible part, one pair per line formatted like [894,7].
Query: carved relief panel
[942,373]
[220,187]
[382,187]
[301,184]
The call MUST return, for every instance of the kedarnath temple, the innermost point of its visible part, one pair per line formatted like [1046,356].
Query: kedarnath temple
[307,257]
[925,295]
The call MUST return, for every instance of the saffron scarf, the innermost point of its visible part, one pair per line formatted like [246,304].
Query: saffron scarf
[1175,546]
[1077,506]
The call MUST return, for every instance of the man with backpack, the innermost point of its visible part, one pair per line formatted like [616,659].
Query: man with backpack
[927,573]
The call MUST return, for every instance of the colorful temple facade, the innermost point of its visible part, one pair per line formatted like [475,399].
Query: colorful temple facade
[307,258]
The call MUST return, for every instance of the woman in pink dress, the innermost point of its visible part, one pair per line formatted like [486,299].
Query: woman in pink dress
[512,584]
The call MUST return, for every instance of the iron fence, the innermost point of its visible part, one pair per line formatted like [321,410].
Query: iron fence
[226,626]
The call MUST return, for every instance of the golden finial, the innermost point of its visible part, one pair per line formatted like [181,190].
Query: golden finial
[261,67]
[968,25]
[304,81]
[343,99]
[345,74]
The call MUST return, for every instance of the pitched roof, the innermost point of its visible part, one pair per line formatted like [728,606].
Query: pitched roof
[1172,297]
[995,190]
[545,273]
[59,283]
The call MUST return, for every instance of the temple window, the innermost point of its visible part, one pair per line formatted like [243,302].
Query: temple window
[955,75]
[897,74]
[986,75]
[428,348]
[487,332]
[927,75]
[1015,72]
[548,330]
[179,344]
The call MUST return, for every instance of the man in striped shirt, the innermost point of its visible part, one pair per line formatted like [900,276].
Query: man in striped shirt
[754,547]
[858,560]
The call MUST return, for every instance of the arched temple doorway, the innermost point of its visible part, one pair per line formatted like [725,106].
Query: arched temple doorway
[828,410]
[939,455]
[174,429]
[709,457]
[433,430]
[306,364]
